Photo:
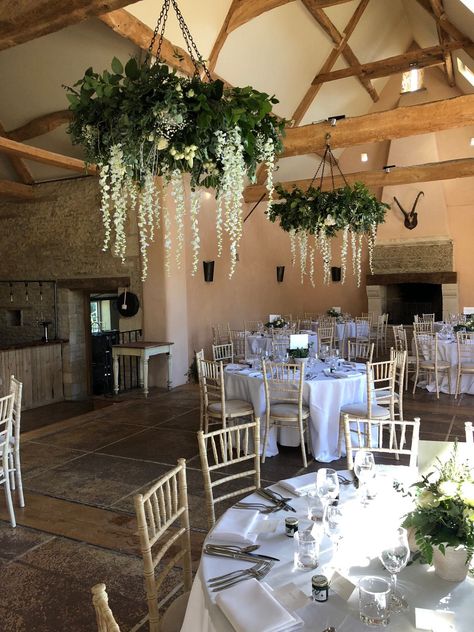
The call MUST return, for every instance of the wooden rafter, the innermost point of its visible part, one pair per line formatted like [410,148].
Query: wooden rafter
[447,170]
[249,9]
[379,126]
[25,20]
[18,165]
[329,63]
[443,37]
[16,190]
[322,19]
[41,125]
[448,27]
[222,35]
[421,58]
[13,148]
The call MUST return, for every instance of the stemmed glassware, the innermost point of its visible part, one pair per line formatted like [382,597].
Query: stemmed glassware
[364,469]
[327,485]
[394,557]
[333,524]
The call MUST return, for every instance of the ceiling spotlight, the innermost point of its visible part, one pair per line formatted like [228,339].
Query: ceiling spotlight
[334,119]
[388,168]
[364,157]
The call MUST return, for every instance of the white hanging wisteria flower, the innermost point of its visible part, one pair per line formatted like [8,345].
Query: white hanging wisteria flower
[219,225]
[345,244]
[303,243]
[266,149]
[167,243]
[177,191]
[371,238]
[105,202]
[359,258]
[311,265]
[292,234]
[231,153]
[195,240]
[118,198]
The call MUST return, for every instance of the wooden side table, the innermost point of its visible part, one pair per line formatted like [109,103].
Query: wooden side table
[144,351]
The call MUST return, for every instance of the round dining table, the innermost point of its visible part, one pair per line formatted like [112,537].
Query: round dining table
[448,352]
[324,393]
[357,556]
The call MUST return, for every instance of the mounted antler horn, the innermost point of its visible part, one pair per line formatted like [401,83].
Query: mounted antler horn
[411,218]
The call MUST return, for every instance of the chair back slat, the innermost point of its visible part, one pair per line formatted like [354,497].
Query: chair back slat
[360,350]
[228,447]
[163,529]
[223,353]
[392,438]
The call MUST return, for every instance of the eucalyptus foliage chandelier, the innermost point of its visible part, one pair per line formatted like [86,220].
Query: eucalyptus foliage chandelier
[313,217]
[143,120]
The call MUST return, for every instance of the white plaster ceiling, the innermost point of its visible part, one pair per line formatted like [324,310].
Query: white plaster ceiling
[278,52]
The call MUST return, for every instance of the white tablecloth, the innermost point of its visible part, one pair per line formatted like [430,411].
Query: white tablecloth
[358,555]
[324,395]
[448,352]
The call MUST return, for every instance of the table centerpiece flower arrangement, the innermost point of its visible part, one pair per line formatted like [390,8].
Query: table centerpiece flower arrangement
[467,326]
[332,311]
[442,521]
[278,323]
[139,120]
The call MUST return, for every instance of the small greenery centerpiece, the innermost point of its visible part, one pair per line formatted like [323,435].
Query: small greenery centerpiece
[138,120]
[300,352]
[444,513]
[333,313]
[467,326]
[312,217]
[278,323]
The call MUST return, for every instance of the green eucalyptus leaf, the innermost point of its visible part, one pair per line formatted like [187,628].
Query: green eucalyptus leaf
[117,66]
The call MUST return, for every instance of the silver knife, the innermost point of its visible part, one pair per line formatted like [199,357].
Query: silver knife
[270,496]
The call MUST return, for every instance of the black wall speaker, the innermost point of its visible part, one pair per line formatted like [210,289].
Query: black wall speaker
[280,273]
[208,271]
[335,274]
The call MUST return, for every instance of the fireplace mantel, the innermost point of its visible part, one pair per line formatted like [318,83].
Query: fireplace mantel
[440,278]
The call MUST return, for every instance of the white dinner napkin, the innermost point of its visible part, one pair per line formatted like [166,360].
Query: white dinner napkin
[299,485]
[250,607]
[237,526]
[339,374]
[235,367]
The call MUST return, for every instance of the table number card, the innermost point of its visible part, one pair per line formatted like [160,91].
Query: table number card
[342,586]
[273,317]
[299,341]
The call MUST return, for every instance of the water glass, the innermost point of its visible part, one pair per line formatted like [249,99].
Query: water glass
[306,550]
[364,469]
[327,484]
[315,506]
[374,601]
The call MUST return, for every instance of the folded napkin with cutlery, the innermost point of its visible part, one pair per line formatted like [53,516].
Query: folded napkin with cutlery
[340,373]
[250,607]
[235,367]
[299,485]
[236,527]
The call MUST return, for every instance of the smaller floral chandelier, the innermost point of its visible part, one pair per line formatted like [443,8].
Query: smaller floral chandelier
[313,217]
[144,121]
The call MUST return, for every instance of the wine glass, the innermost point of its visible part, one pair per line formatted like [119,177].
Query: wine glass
[327,484]
[394,557]
[333,524]
[364,469]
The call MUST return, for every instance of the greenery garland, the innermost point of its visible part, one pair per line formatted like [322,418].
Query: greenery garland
[322,214]
[142,120]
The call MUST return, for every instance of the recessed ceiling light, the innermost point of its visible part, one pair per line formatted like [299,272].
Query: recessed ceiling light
[364,157]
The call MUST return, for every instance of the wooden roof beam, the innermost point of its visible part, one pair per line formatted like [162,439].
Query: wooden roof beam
[430,172]
[347,52]
[41,125]
[448,27]
[329,63]
[25,20]
[18,165]
[443,37]
[13,148]
[247,10]
[379,126]
[422,58]
[16,190]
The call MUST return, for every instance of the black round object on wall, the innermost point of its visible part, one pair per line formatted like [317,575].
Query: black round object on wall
[128,304]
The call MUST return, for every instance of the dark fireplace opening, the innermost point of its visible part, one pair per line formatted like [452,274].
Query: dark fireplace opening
[404,300]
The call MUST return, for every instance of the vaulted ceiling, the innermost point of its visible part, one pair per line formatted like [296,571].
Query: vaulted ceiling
[320,58]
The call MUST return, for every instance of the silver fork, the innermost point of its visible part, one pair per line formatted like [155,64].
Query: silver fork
[226,581]
[262,508]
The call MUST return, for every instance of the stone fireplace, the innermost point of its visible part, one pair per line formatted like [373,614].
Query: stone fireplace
[415,276]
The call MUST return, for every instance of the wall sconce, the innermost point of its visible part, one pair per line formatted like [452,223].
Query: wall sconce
[208,271]
[280,273]
[335,274]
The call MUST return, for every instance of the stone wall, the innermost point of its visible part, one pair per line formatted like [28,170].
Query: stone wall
[60,237]
[22,308]
[425,255]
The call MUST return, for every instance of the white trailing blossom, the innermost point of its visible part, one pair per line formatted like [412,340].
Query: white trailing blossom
[230,151]
[219,225]
[118,199]
[194,217]
[371,238]
[267,156]
[105,202]
[359,258]
[177,191]
[303,243]
[325,247]
[344,247]
[167,243]
[354,252]
[292,234]
[311,265]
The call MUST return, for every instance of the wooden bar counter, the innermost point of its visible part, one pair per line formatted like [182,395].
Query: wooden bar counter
[39,366]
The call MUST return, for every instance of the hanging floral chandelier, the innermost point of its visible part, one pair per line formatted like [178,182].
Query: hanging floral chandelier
[313,217]
[141,121]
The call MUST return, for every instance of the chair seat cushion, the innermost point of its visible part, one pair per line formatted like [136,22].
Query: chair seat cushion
[427,364]
[360,410]
[172,620]
[232,407]
[287,410]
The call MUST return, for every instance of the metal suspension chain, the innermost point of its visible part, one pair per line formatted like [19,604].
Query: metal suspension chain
[193,51]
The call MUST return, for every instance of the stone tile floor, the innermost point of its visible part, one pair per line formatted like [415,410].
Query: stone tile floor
[80,477]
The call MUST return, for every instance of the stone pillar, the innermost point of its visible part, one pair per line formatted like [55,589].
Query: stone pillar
[450,299]
[377,299]
[71,325]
